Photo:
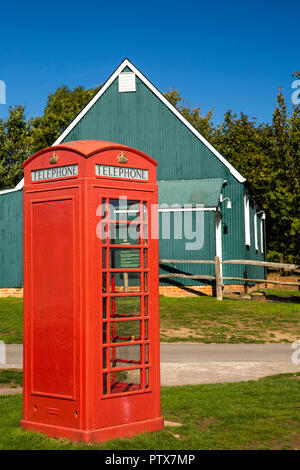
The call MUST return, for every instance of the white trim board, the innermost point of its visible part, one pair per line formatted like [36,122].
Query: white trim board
[13,190]
[187,209]
[219,250]
[122,66]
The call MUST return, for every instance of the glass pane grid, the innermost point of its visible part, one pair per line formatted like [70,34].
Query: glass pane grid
[126,344]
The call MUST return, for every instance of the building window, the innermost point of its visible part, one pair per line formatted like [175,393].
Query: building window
[127,82]
[247,219]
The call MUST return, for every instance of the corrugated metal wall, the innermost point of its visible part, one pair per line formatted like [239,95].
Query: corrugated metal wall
[11,239]
[233,228]
[254,272]
[142,121]
[177,249]
[233,234]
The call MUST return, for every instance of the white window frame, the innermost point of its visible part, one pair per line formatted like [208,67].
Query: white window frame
[219,251]
[247,220]
[261,235]
[255,231]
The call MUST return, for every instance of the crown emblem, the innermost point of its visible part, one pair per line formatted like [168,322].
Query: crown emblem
[122,158]
[53,159]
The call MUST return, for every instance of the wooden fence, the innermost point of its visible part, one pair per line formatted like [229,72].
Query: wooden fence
[218,278]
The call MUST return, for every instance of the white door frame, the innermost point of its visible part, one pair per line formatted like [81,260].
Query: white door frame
[219,238]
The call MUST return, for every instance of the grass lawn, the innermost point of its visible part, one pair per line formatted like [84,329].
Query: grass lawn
[11,377]
[263,414]
[207,320]
[11,320]
[201,319]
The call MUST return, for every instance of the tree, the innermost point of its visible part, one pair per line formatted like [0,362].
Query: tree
[15,146]
[284,193]
[20,138]
[62,107]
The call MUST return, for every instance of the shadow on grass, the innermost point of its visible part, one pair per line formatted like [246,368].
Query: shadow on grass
[292,299]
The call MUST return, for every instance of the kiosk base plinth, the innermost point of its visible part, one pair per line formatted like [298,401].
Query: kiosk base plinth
[96,435]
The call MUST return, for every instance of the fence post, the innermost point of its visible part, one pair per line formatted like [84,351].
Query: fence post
[219,287]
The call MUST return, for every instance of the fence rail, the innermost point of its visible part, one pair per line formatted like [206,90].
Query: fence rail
[268,264]
[218,278]
[188,261]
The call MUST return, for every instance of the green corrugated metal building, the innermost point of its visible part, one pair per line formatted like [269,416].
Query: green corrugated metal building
[195,181]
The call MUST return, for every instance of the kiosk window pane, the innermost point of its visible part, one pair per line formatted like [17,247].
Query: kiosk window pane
[104,359]
[105,383]
[101,209]
[145,212]
[144,234]
[146,282]
[125,356]
[125,306]
[146,329]
[122,209]
[125,282]
[125,381]
[124,258]
[104,333]
[125,331]
[104,257]
[103,282]
[146,305]
[124,234]
[104,309]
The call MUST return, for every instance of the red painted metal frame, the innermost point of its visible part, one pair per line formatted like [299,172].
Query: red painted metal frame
[64,395]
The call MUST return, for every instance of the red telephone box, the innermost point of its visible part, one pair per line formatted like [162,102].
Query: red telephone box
[91,312]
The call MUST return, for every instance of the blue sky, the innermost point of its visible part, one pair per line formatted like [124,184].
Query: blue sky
[220,54]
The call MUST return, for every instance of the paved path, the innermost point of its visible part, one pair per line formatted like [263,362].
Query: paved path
[194,363]
[13,356]
[193,352]
[211,363]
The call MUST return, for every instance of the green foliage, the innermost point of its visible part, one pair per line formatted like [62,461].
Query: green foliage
[20,138]
[15,146]
[11,320]
[11,377]
[62,107]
